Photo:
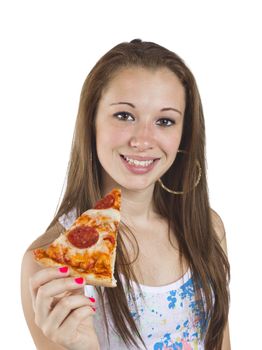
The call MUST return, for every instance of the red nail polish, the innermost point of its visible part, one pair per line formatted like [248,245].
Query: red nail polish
[79,280]
[92,300]
[93,308]
[63,269]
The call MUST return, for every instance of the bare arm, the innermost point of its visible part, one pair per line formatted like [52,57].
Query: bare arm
[29,268]
[57,313]
[221,233]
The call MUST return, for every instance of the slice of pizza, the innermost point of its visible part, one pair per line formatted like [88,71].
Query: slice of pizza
[88,248]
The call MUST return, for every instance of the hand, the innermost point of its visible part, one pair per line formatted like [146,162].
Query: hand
[62,311]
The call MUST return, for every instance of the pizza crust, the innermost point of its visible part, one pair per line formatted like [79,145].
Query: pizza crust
[90,278]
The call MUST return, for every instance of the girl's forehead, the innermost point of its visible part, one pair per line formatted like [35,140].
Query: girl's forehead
[138,83]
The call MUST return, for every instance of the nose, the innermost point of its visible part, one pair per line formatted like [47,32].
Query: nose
[142,138]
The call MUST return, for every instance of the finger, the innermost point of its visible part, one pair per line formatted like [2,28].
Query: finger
[68,330]
[47,292]
[72,322]
[43,276]
[63,309]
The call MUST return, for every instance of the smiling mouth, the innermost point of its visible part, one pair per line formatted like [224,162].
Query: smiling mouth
[139,163]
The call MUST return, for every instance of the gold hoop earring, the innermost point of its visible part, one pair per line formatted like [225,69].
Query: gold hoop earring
[196,183]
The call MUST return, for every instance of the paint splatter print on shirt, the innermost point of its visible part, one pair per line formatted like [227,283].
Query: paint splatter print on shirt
[169,317]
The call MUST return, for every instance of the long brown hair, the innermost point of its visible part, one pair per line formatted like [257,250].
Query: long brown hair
[189,214]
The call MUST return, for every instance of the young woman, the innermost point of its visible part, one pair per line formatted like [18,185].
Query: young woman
[140,128]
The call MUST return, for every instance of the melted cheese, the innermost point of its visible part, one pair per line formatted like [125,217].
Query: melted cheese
[110,214]
[104,220]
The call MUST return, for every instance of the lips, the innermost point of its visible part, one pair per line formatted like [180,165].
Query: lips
[139,158]
[139,164]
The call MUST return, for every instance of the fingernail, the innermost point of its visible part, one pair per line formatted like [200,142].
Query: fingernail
[79,280]
[63,269]
[92,299]
[93,308]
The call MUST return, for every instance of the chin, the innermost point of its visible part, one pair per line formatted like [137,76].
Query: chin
[128,183]
[136,186]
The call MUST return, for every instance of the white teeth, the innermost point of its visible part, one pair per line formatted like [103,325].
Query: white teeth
[138,162]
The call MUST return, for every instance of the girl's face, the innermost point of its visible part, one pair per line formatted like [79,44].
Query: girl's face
[139,126]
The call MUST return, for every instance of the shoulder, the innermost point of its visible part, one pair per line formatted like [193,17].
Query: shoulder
[29,265]
[218,225]
[219,228]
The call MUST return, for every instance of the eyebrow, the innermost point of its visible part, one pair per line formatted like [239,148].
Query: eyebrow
[133,106]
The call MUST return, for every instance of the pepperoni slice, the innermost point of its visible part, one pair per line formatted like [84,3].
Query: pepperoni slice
[106,202]
[83,236]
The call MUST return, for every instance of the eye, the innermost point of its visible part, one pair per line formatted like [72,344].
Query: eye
[125,116]
[166,122]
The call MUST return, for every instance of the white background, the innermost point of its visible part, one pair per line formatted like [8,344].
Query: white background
[47,49]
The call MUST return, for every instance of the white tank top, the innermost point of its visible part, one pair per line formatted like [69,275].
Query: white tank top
[168,317]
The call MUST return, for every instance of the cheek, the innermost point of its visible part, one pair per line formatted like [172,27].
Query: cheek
[171,144]
[102,138]
[111,137]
